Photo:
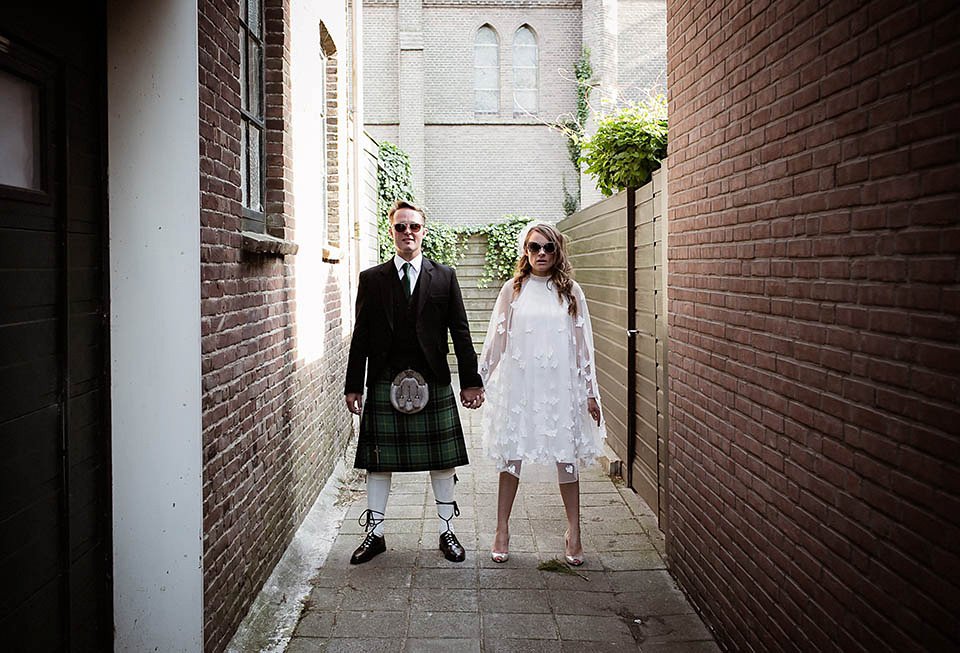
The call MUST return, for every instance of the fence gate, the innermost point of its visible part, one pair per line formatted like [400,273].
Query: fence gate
[618,258]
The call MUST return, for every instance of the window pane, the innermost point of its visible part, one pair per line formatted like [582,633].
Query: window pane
[254,78]
[486,71]
[524,36]
[244,100]
[486,79]
[486,35]
[525,55]
[525,79]
[253,161]
[244,168]
[19,133]
[524,71]
[485,55]
[486,102]
[253,16]
[525,101]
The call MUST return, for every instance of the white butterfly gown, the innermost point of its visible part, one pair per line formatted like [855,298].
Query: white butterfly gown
[538,371]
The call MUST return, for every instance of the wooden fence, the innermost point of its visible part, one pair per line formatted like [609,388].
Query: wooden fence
[619,259]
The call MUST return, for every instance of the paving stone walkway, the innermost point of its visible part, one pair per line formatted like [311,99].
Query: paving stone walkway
[411,599]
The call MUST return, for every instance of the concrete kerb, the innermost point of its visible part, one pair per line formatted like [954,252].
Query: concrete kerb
[274,614]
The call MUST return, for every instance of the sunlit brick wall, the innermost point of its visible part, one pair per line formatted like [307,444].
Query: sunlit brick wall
[814,301]
[273,420]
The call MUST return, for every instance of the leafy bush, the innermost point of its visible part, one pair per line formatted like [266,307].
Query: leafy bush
[501,255]
[443,243]
[628,146]
[393,183]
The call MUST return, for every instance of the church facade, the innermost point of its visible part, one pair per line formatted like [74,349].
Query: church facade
[469,89]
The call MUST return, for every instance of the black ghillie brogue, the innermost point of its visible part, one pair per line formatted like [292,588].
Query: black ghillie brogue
[451,547]
[449,544]
[373,544]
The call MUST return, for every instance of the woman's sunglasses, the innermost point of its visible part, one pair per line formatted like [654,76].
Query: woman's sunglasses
[400,227]
[534,247]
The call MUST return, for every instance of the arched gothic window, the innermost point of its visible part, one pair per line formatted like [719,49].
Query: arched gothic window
[486,71]
[525,71]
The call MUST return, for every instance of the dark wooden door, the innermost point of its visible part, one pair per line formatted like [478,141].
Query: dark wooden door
[54,436]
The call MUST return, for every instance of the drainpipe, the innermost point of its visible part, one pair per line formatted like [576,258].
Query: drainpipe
[356,118]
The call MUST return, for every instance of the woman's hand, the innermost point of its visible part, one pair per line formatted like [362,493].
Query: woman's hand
[594,409]
[471,397]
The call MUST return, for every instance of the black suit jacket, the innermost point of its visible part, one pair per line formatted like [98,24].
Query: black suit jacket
[439,308]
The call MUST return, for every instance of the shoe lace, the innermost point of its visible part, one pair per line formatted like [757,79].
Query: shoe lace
[369,522]
[456,513]
[449,538]
[369,539]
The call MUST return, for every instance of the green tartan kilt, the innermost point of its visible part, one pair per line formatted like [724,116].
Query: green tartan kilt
[391,441]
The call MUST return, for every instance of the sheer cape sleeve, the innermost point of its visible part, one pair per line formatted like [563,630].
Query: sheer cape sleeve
[583,342]
[495,342]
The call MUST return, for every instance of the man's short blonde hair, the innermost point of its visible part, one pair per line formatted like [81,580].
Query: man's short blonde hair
[405,204]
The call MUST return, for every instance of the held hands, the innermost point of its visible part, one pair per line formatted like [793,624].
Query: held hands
[594,409]
[354,402]
[471,397]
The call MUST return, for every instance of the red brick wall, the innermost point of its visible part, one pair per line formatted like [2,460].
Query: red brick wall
[273,424]
[814,300]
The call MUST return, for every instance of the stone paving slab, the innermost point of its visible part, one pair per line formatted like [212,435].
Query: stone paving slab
[410,599]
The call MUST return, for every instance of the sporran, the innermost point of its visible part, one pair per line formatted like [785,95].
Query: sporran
[409,392]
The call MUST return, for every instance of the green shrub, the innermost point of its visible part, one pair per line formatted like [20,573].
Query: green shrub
[393,183]
[500,259]
[445,243]
[627,146]
[442,243]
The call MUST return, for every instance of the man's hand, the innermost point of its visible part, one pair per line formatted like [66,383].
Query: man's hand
[471,397]
[594,409]
[354,402]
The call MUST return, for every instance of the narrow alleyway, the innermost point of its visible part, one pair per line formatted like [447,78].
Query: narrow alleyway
[411,599]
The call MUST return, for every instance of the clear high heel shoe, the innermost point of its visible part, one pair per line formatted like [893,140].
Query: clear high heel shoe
[573,561]
[499,557]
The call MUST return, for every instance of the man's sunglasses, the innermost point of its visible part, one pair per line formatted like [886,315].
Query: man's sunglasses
[534,247]
[401,227]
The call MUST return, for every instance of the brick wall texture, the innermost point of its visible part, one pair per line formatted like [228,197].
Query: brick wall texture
[814,305]
[273,422]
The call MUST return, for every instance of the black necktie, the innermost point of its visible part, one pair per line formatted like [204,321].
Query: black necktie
[406,280]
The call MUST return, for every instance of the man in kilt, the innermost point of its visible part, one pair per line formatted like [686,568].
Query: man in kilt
[404,309]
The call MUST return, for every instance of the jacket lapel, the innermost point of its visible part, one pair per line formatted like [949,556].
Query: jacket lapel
[423,283]
[389,279]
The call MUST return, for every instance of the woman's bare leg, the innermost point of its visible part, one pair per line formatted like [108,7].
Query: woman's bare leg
[570,493]
[506,493]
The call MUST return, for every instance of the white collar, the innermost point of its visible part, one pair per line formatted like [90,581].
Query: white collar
[416,262]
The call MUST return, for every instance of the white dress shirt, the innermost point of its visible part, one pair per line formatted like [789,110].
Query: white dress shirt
[414,269]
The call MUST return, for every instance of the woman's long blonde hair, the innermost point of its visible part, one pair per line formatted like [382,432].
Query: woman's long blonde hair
[562,273]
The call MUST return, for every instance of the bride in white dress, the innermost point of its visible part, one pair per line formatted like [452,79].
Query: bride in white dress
[537,365]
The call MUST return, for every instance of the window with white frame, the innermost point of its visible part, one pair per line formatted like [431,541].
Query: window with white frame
[525,75]
[486,71]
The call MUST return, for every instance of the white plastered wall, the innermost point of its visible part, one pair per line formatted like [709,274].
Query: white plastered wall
[309,185]
[154,205]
